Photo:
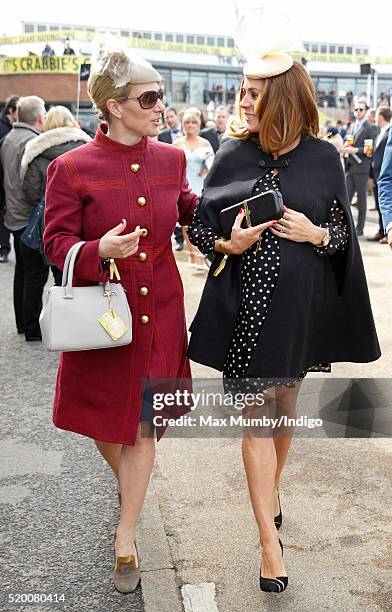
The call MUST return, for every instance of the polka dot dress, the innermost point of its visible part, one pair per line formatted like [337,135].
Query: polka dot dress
[259,274]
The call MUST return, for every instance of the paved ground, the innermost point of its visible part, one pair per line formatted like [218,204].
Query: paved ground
[58,502]
[197,524]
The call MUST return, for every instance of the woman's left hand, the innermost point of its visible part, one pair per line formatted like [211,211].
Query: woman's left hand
[297,227]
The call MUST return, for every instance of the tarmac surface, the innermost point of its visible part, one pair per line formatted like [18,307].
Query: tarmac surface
[197,537]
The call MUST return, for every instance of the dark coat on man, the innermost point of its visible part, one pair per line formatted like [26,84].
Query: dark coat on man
[378,156]
[320,310]
[165,136]
[367,131]
[212,135]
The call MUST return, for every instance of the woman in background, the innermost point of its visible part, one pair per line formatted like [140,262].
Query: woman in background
[199,157]
[61,133]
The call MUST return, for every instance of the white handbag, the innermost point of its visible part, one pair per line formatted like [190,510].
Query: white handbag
[84,318]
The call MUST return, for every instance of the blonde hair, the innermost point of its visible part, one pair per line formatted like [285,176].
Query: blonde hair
[286,108]
[191,115]
[101,88]
[59,116]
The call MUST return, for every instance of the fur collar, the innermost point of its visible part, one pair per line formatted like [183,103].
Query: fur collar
[51,138]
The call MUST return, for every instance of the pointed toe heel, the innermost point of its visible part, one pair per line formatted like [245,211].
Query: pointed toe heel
[274,585]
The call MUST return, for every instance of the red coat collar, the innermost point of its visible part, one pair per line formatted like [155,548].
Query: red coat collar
[103,140]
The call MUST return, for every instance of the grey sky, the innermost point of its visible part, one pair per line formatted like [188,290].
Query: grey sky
[333,20]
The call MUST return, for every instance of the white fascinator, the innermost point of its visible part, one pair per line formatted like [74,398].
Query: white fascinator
[264,35]
[109,56]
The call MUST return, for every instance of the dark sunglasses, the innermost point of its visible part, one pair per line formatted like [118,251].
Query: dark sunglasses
[359,110]
[148,99]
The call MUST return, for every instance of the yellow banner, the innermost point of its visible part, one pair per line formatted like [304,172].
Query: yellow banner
[61,64]
[144,43]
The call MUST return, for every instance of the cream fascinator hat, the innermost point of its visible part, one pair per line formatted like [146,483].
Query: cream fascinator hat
[264,35]
[112,58]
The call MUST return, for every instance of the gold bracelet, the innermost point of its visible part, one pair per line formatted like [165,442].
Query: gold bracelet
[221,244]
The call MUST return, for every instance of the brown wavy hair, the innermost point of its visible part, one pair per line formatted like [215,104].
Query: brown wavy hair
[286,108]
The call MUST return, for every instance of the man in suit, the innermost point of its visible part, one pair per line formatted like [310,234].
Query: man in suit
[173,130]
[358,163]
[214,134]
[383,122]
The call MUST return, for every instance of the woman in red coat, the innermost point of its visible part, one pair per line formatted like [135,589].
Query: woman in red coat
[123,194]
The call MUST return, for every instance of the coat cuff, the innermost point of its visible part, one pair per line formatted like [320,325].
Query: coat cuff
[89,265]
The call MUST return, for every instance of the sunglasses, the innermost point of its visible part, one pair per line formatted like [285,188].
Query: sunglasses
[148,99]
[359,110]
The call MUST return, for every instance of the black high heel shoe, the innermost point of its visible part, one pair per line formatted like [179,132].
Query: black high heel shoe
[278,517]
[274,585]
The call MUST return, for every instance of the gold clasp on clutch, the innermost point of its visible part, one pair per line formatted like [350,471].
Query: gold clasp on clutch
[247,213]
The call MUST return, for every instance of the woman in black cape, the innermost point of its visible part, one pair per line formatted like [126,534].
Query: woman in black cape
[292,296]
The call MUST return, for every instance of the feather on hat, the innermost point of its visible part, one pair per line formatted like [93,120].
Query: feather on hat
[121,64]
[264,35]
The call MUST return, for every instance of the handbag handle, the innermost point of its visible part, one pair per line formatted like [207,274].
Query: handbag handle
[73,250]
[69,265]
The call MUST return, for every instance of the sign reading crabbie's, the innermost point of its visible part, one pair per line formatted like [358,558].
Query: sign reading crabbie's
[60,64]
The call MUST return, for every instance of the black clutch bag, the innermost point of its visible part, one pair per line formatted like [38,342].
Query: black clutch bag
[261,208]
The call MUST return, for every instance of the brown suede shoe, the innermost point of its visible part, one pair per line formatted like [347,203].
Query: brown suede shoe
[126,574]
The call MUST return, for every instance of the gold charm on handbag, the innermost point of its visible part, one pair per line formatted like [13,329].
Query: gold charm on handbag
[113,324]
[110,321]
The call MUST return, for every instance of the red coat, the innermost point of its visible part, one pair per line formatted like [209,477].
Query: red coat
[89,191]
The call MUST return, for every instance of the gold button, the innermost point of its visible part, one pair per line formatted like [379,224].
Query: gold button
[143,290]
[142,201]
[135,167]
[142,256]
[144,320]
[144,232]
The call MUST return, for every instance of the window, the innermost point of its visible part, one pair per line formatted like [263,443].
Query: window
[90,29]
[200,40]
[169,37]
[221,42]
[53,28]
[358,51]
[41,28]
[323,49]
[124,33]
[332,48]
[210,41]
[217,87]
[366,51]
[28,27]
[307,46]
[198,88]
[179,38]
[190,39]
[314,48]
[349,50]
[180,87]
[158,36]
[341,50]
[230,42]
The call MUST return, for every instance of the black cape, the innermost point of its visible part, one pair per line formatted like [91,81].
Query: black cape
[320,310]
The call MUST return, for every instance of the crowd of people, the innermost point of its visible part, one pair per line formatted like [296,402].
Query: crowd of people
[361,144]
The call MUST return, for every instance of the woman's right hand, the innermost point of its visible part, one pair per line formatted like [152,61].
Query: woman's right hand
[241,239]
[114,245]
